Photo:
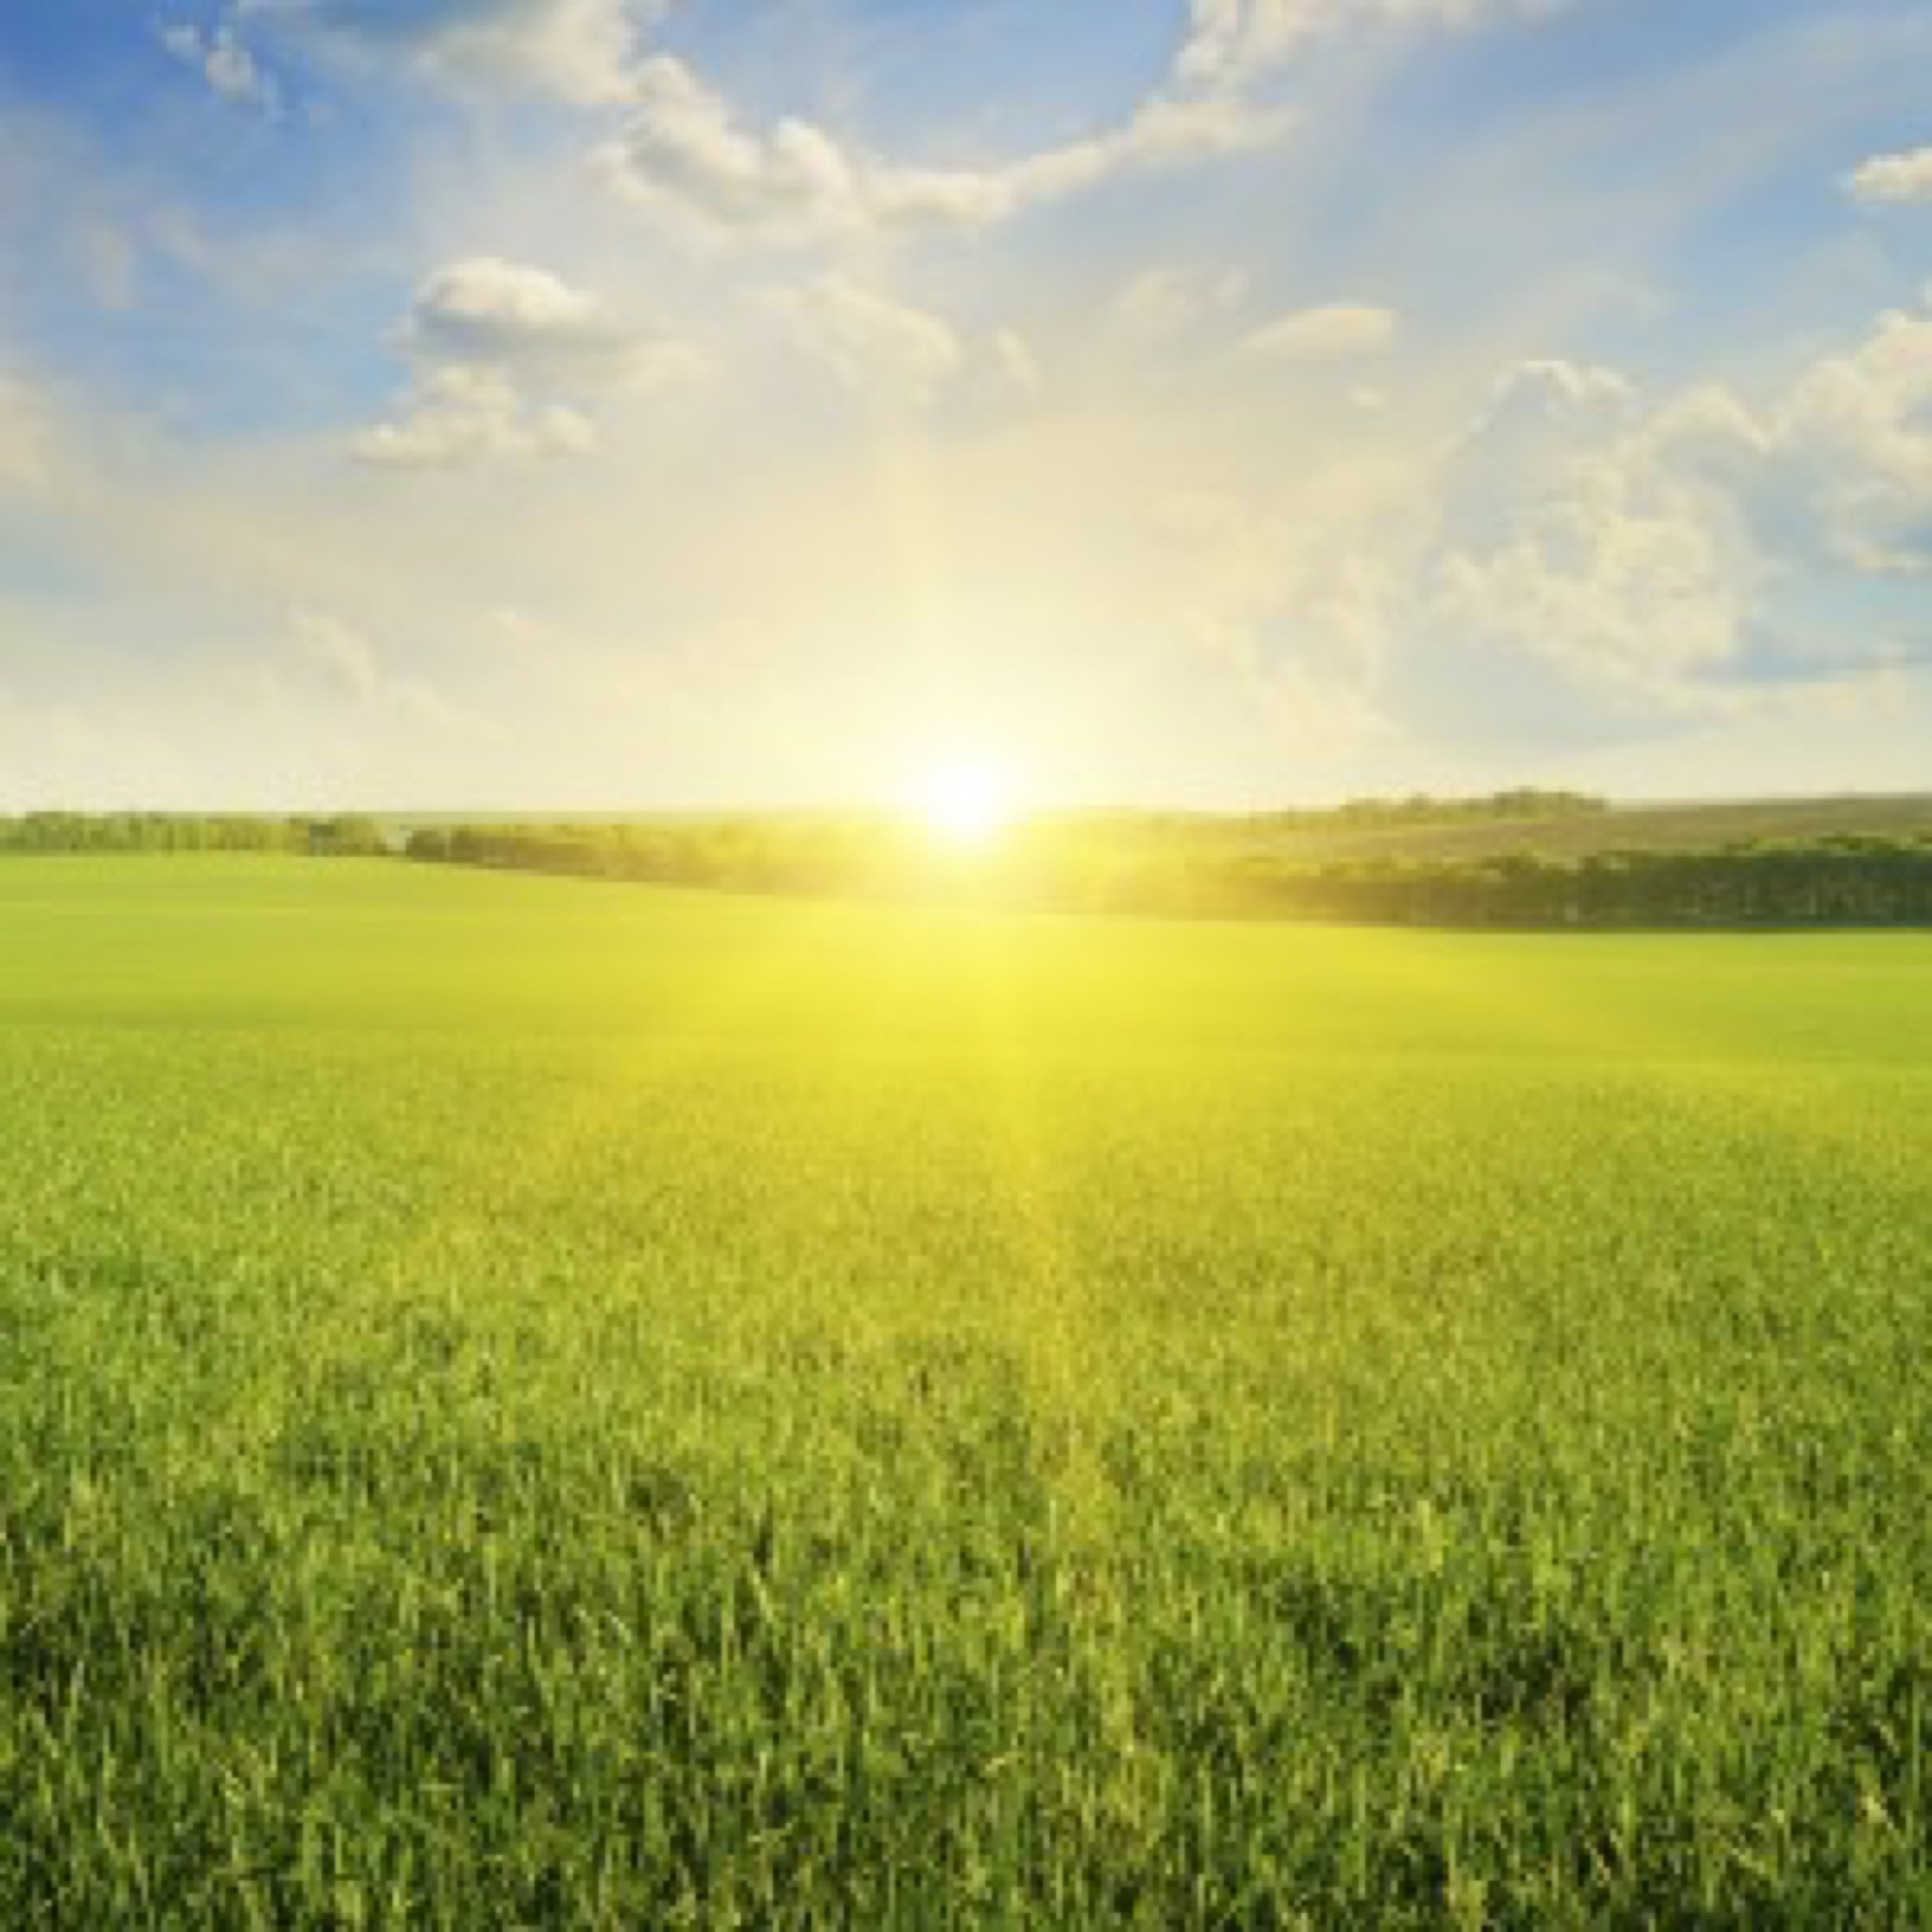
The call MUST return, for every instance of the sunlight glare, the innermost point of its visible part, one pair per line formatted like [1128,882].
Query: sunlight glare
[965,804]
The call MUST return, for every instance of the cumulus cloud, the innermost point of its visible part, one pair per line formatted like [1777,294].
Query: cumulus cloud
[1589,558]
[583,51]
[233,73]
[1340,334]
[461,416]
[1540,419]
[685,143]
[1649,547]
[1857,434]
[509,360]
[486,306]
[1573,535]
[486,310]
[1626,576]
[1893,178]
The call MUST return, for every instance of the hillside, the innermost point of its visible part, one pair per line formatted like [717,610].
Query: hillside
[1636,827]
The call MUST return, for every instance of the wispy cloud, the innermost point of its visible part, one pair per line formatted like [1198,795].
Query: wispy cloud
[1235,42]
[233,73]
[1162,304]
[872,342]
[1342,333]
[685,144]
[897,355]
[685,147]
[583,51]
[1894,178]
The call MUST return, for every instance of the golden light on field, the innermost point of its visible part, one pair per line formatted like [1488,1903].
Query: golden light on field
[967,803]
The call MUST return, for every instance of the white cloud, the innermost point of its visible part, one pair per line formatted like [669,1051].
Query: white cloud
[684,147]
[1541,419]
[489,305]
[1168,131]
[1164,303]
[331,662]
[1650,549]
[1572,535]
[1015,368]
[1893,178]
[1858,432]
[897,355]
[1229,40]
[1340,334]
[1585,562]
[233,73]
[1232,43]
[683,142]
[509,359]
[872,343]
[460,415]
[1555,393]
[485,310]
[1625,577]
[583,51]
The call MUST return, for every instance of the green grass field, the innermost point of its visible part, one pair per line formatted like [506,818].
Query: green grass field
[526,1403]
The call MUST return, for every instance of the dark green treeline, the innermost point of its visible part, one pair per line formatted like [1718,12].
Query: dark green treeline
[1104,867]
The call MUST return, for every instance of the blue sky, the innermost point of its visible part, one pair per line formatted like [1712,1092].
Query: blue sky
[587,403]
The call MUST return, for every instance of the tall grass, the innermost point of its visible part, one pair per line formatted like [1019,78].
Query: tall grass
[527,1405]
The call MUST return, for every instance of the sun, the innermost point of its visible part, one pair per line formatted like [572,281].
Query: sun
[966,804]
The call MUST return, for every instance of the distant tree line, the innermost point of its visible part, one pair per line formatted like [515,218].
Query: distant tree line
[1170,865]
[1526,804]
[1092,866]
[52,832]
